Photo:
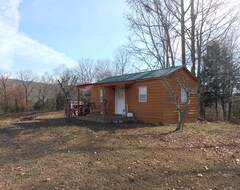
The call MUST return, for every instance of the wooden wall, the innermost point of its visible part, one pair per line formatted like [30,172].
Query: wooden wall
[170,110]
[109,95]
[95,96]
[159,107]
[150,111]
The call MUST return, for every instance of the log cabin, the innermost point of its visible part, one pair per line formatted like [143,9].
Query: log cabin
[144,96]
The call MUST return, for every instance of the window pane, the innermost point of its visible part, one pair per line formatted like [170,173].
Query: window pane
[143,90]
[142,94]
[101,95]
[183,95]
[143,98]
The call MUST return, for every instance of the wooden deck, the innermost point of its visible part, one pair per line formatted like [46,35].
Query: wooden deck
[106,118]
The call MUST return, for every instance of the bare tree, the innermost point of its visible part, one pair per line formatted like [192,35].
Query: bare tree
[44,86]
[211,20]
[122,60]
[85,71]
[17,98]
[158,26]
[179,10]
[67,80]
[103,69]
[4,79]
[193,16]
[153,39]
[27,78]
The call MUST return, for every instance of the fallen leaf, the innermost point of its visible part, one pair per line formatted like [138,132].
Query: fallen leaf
[47,179]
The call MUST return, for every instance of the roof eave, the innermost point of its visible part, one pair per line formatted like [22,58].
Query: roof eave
[115,83]
[84,85]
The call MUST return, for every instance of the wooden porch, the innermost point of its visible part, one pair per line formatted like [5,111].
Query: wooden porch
[100,118]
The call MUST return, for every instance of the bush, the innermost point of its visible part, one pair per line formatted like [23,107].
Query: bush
[60,101]
[50,105]
[38,105]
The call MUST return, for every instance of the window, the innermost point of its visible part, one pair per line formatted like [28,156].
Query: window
[142,94]
[101,95]
[184,95]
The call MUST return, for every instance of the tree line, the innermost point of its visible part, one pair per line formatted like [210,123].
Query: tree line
[24,90]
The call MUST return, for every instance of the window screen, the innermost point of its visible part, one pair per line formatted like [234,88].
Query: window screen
[142,91]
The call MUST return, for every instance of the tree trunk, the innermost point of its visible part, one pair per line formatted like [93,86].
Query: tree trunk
[183,34]
[202,109]
[16,109]
[199,50]
[224,109]
[182,115]
[199,55]
[180,123]
[229,109]
[193,19]
[216,108]
[5,101]
[26,101]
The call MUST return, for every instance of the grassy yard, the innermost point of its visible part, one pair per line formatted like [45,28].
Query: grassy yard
[46,153]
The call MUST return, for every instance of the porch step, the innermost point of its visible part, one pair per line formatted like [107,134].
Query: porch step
[117,121]
[124,120]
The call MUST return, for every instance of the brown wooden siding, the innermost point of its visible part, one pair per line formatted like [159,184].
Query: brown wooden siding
[109,95]
[159,106]
[95,96]
[151,110]
[170,111]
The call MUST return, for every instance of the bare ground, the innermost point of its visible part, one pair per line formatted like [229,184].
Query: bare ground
[47,153]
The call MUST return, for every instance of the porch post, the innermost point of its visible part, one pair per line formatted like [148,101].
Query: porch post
[104,105]
[78,99]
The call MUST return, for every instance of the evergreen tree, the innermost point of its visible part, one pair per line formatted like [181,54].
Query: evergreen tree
[219,77]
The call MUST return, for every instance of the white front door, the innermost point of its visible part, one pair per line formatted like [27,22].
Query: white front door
[119,100]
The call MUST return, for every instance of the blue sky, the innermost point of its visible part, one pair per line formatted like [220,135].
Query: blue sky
[43,34]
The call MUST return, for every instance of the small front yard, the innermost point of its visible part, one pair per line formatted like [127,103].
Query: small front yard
[47,153]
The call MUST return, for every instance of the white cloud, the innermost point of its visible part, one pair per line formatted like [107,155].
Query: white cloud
[13,44]
[33,50]
[9,20]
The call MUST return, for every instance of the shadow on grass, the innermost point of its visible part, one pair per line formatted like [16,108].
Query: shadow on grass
[111,127]
[35,124]
[33,143]
[92,125]
[17,127]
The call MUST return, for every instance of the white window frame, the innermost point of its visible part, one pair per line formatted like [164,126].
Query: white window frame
[183,95]
[101,95]
[142,93]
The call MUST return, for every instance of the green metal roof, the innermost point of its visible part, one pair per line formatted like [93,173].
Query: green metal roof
[141,75]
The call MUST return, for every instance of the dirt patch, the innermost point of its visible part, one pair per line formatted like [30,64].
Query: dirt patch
[48,153]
